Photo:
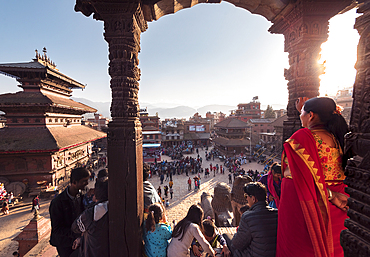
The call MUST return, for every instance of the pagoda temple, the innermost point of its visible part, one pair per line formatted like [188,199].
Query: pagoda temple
[233,137]
[43,138]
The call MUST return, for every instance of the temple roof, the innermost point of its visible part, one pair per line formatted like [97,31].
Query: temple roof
[279,122]
[196,136]
[32,99]
[234,142]
[45,139]
[42,66]
[232,123]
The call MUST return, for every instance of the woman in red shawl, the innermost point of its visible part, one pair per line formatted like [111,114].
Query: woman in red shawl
[313,204]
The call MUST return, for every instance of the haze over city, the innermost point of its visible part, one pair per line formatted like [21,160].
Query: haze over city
[209,54]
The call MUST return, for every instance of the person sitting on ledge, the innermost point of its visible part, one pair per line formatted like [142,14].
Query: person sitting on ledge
[93,223]
[256,235]
[150,194]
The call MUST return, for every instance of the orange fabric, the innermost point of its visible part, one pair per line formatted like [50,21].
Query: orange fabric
[309,185]
[331,160]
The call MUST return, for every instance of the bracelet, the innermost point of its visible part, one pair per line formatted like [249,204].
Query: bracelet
[330,194]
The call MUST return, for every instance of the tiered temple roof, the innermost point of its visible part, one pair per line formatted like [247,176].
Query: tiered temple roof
[42,117]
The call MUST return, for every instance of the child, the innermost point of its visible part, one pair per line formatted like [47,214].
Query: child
[213,236]
[157,232]
[184,232]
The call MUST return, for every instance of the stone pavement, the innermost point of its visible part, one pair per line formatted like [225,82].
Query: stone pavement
[179,205]
[182,198]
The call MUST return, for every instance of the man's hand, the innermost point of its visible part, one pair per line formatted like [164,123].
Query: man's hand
[76,243]
[196,251]
[225,251]
[271,198]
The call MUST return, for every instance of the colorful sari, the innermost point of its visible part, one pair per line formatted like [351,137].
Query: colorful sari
[271,187]
[304,223]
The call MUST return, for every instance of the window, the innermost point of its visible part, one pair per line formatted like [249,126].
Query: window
[26,120]
[14,120]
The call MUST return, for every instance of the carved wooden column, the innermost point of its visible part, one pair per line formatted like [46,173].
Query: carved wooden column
[305,27]
[123,24]
[356,240]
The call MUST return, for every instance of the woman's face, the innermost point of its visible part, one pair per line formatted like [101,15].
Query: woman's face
[305,118]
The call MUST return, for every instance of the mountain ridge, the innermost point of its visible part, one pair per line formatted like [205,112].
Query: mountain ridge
[181,111]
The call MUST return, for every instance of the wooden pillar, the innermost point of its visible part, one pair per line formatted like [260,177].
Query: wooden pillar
[356,240]
[304,25]
[123,24]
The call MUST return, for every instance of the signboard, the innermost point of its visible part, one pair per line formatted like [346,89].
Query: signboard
[191,127]
[200,128]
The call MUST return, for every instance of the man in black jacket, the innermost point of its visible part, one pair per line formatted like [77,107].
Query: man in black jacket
[64,209]
[257,230]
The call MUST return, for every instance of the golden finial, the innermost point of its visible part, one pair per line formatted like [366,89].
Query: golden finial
[44,50]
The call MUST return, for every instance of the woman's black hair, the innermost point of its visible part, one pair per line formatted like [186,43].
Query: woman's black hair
[154,216]
[276,167]
[333,121]
[101,189]
[195,215]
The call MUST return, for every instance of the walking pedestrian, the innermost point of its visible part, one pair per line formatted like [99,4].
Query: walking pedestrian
[5,208]
[162,178]
[159,190]
[230,179]
[10,197]
[35,203]
[165,191]
[189,184]
[171,192]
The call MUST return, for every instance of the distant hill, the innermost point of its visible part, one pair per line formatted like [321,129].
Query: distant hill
[175,112]
[215,108]
[102,107]
[172,112]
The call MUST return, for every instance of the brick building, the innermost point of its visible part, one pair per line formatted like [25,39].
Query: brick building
[173,131]
[247,111]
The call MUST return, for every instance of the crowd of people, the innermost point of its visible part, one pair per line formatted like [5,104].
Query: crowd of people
[306,190]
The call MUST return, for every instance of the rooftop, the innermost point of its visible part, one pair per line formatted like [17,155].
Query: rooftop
[45,139]
[231,123]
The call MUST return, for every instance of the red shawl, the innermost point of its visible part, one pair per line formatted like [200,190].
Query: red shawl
[309,182]
[270,185]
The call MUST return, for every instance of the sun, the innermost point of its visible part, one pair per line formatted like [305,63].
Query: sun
[339,54]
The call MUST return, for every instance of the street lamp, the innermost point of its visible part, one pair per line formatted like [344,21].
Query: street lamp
[250,140]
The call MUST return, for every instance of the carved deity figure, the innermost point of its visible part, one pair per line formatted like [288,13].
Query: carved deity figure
[237,197]
[221,205]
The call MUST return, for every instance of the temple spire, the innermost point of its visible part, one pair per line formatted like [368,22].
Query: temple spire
[44,59]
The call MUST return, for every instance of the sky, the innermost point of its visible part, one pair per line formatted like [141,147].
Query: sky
[207,54]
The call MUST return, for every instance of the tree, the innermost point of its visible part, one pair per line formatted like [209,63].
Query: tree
[269,113]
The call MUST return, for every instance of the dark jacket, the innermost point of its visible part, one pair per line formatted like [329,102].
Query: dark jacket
[62,215]
[94,224]
[256,235]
